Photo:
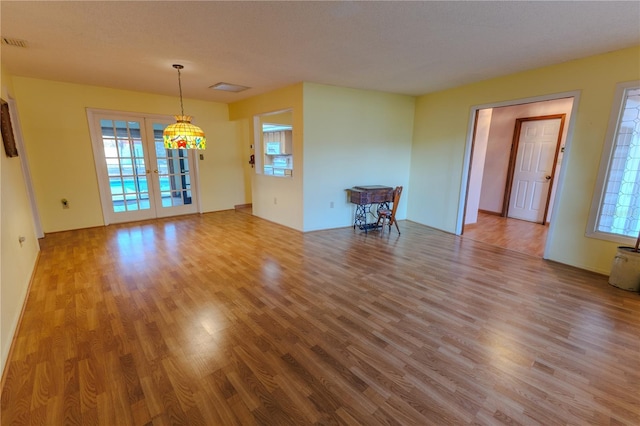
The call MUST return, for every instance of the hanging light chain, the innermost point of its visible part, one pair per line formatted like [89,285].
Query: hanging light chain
[179,67]
[182,134]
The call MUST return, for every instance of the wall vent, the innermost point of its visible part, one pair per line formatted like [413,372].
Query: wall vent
[14,42]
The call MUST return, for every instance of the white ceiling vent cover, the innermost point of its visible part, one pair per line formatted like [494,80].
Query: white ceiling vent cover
[13,42]
[229,87]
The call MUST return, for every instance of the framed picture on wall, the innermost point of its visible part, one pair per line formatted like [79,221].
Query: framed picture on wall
[7,130]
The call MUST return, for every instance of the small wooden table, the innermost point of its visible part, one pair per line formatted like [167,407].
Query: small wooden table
[364,197]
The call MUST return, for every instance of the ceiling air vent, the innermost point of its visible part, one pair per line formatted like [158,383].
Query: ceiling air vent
[13,42]
[228,87]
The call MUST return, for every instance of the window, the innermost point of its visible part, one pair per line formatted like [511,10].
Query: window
[616,213]
[274,143]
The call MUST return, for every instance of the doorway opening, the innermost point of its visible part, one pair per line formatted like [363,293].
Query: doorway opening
[514,169]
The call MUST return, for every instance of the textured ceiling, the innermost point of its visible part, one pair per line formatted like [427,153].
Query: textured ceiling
[402,47]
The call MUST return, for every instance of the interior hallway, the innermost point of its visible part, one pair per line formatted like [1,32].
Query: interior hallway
[513,234]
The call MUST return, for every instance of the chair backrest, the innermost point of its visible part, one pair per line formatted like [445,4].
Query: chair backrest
[396,200]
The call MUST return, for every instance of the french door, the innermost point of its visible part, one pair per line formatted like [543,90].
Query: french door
[139,179]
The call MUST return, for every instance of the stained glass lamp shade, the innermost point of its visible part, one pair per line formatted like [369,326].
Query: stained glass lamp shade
[182,134]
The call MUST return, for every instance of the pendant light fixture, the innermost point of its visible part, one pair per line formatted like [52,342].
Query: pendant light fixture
[183,134]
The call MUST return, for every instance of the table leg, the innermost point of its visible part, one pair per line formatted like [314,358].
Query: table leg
[363,211]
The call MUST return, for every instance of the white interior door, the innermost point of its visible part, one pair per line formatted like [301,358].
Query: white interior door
[138,178]
[533,169]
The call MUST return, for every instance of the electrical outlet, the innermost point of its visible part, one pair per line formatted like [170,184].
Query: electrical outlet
[65,203]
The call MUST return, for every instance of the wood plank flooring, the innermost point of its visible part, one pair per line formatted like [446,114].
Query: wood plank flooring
[513,234]
[226,319]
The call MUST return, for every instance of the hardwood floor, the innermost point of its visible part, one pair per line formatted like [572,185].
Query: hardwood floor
[513,234]
[226,319]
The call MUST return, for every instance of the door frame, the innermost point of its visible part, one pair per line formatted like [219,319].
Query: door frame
[26,169]
[466,165]
[515,143]
[472,141]
[96,135]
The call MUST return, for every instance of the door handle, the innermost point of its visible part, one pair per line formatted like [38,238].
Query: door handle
[547,177]
[155,171]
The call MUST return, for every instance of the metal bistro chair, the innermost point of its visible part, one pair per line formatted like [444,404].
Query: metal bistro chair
[389,215]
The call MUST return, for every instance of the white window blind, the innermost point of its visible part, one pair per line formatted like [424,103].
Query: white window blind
[619,207]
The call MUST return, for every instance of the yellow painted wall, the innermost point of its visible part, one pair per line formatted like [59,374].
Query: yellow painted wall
[17,261]
[281,118]
[352,137]
[222,176]
[60,152]
[342,139]
[440,131]
[285,191]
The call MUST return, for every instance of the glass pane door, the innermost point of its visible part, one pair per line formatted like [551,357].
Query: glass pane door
[124,155]
[172,173]
[139,179]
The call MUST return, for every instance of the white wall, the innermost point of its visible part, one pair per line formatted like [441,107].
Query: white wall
[477,165]
[501,133]
[352,137]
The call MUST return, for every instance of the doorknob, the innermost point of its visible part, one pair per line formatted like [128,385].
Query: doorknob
[547,177]
[155,171]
